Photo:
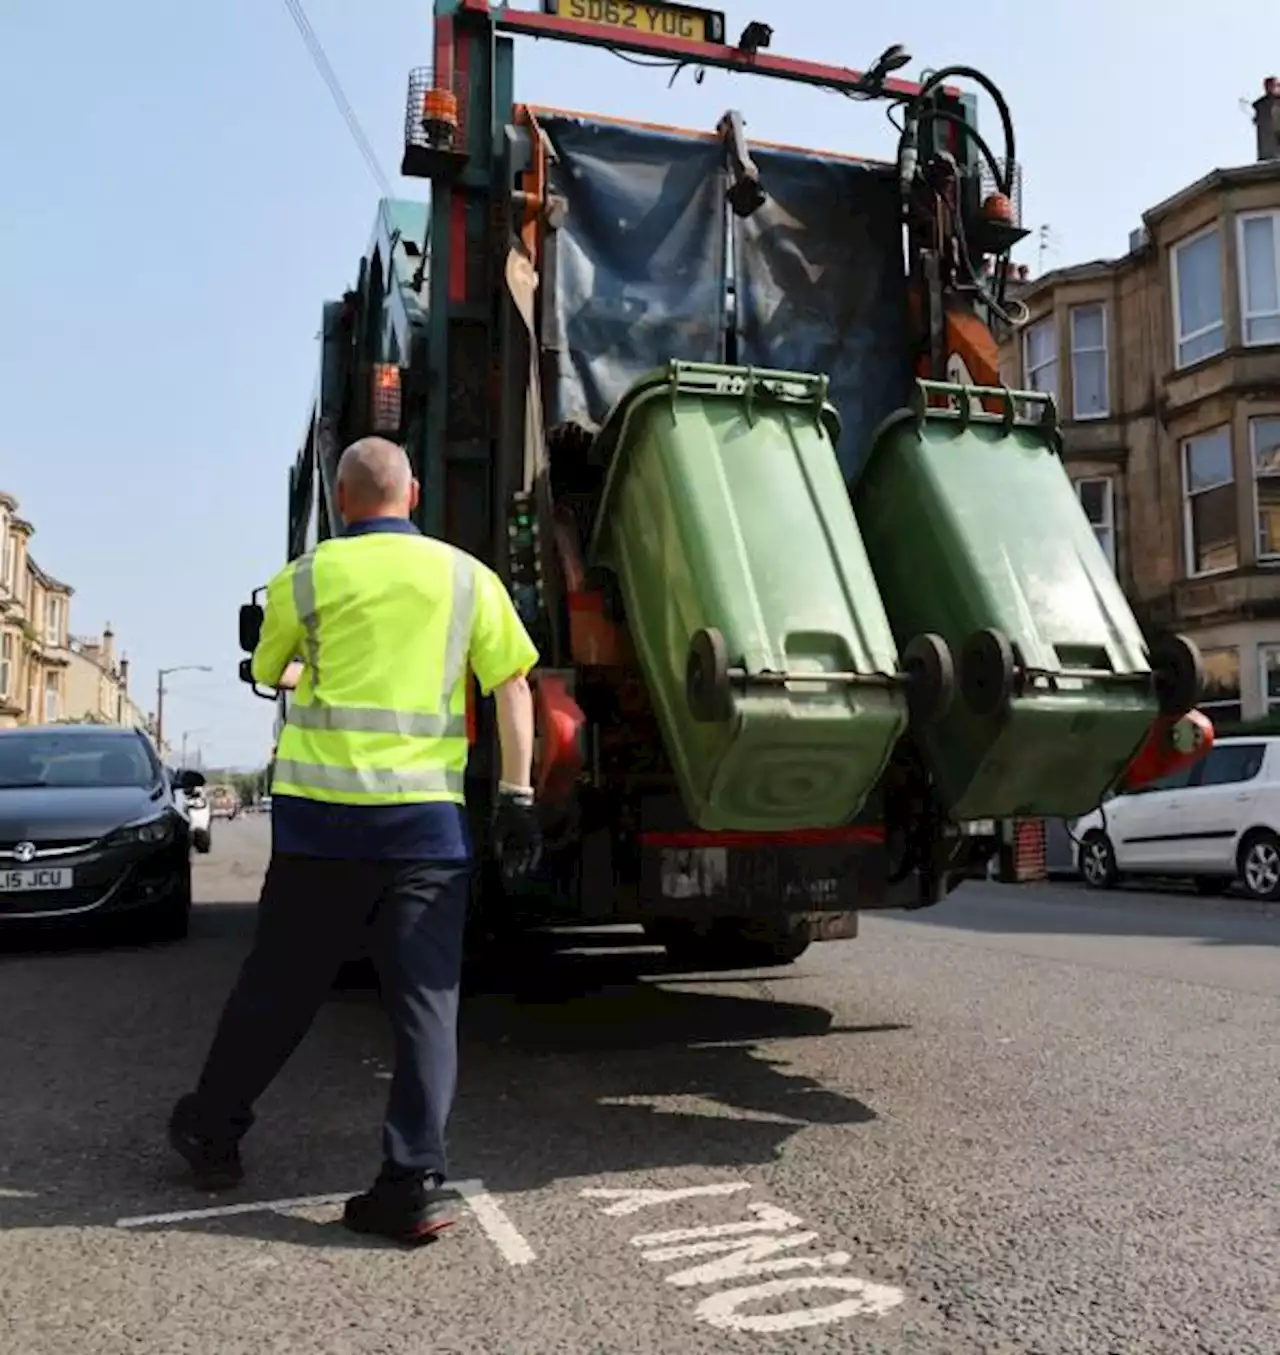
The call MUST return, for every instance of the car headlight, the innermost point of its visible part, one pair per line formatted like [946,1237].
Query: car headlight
[149,833]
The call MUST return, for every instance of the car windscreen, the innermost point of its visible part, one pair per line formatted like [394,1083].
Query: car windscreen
[77,760]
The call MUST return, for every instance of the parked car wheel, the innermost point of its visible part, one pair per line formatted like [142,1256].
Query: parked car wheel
[202,840]
[1098,861]
[1260,865]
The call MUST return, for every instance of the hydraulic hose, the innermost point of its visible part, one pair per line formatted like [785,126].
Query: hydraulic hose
[971,73]
[918,111]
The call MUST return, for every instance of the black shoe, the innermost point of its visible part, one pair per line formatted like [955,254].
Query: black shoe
[215,1164]
[413,1211]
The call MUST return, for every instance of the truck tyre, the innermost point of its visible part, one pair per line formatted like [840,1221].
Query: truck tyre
[730,943]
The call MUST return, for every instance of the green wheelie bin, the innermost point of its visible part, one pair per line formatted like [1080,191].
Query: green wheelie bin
[975,532]
[755,618]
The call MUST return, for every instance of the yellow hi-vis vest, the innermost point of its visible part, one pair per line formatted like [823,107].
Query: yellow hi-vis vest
[385,623]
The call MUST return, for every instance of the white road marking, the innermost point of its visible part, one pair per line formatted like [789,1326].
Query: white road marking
[865,1300]
[727,1254]
[6,1194]
[491,1216]
[486,1211]
[226,1211]
[631,1199]
[768,1219]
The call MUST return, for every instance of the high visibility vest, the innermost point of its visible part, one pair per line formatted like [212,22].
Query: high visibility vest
[384,624]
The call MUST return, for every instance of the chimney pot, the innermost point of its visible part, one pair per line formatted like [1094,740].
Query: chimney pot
[1266,118]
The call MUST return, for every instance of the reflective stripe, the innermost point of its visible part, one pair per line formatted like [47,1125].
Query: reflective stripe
[304,601]
[461,612]
[373,720]
[370,780]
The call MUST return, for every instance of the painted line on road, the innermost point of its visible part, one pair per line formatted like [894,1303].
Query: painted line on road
[226,1211]
[494,1221]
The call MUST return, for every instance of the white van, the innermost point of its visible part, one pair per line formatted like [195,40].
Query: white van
[1215,822]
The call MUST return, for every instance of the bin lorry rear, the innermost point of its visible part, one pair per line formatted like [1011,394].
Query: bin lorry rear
[817,605]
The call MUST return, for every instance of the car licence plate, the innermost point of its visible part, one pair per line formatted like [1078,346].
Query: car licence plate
[644,20]
[29,881]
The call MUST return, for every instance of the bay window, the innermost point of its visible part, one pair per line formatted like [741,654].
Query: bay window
[1209,503]
[1260,277]
[51,697]
[1198,326]
[1090,398]
[1097,498]
[1269,676]
[1221,701]
[1264,449]
[1040,356]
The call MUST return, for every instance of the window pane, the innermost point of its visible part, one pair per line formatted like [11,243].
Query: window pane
[1261,286]
[1107,540]
[1087,327]
[1174,781]
[1202,346]
[1213,530]
[1270,655]
[1208,460]
[1264,437]
[1089,379]
[1266,329]
[1237,762]
[1041,347]
[1095,500]
[1221,674]
[1199,284]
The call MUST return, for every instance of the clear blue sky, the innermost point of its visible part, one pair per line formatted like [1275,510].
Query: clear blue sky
[180,195]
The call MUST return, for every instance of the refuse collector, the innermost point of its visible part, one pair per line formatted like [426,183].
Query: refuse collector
[369,825]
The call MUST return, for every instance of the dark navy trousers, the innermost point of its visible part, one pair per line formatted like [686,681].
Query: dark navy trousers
[311,918]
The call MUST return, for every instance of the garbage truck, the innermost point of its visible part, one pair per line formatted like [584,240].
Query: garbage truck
[817,608]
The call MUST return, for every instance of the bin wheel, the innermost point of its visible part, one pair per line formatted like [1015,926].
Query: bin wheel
[987,671]
[1178,671]
[931,677]
[706,679]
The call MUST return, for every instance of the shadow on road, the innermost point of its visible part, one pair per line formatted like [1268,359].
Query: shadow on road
[1056,910]
[604,1071]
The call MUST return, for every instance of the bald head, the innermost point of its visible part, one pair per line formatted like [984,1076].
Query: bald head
[375,480]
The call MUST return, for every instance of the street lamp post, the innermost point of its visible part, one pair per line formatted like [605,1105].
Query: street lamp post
[186,734]
[160,677]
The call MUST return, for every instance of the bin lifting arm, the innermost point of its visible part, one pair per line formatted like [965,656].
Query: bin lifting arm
[1172,743]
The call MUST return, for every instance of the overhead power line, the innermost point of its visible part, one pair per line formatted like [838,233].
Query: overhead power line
[329,76]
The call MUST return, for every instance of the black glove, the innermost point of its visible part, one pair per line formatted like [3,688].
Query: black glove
[517,839]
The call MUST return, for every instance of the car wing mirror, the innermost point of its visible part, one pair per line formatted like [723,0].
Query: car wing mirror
[246,676]
[251,615]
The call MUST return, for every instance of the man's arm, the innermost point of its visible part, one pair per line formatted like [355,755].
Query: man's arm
[502,655]
[514,702]
[281,639]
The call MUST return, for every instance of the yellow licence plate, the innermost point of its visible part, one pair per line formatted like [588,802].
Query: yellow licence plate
[644,20]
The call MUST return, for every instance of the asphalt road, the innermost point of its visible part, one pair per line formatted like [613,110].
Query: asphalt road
[1021,1122]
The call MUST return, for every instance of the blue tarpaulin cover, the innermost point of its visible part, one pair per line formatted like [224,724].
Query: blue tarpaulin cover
[642,273]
